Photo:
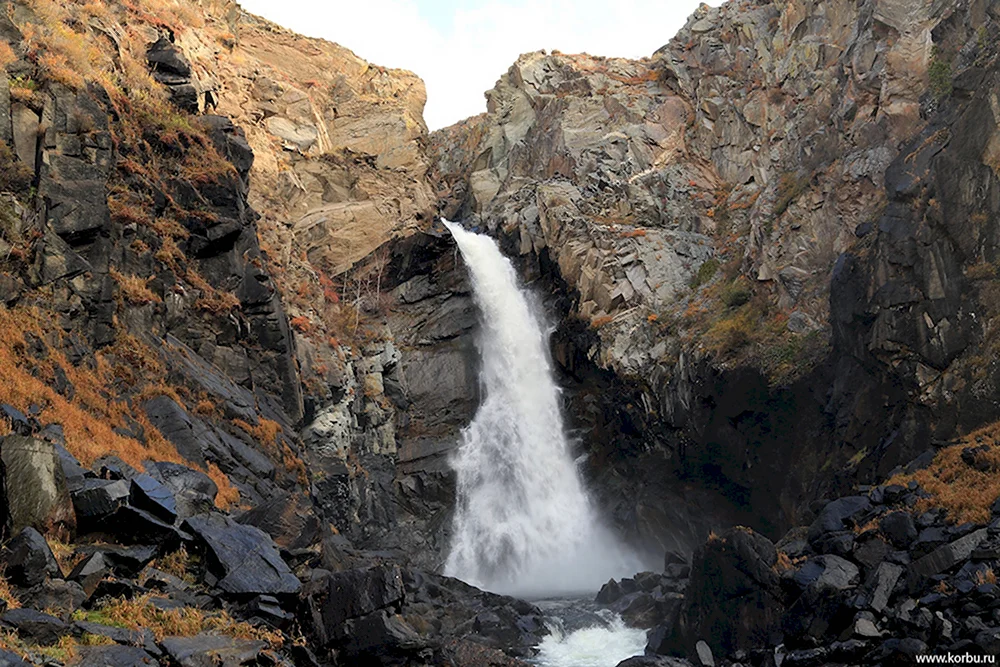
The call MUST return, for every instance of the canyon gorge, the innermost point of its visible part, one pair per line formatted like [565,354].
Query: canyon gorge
[727,315]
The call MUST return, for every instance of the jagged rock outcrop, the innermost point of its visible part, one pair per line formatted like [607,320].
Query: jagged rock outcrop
[694,211]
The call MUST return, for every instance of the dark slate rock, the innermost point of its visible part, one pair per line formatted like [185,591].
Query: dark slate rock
[883,583]
[193,490]
[18,421]
[204,650]
[111,467]
[97,499]
[987,550]
[34,625]
[818,613]
[899,528]
[29,560]
[147,493]
[131,525]
[840,543]
[827,571]
[841,514]
[126,561]
[989,641]
[795,543]
[58,597]
[733,598]
[177,426]
[244,559]
[90,571]
[929,539]
[268,609]
[72,470]
[288,518]
[8,659]
[870,550]
[341,596]
[653,661]
[114,588]
[164,56]
[949,555]
[379,633]
[610,592]
[114,656]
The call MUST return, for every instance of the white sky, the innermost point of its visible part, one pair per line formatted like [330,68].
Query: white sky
[461,47]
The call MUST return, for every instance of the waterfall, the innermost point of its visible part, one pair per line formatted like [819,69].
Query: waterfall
[523,523]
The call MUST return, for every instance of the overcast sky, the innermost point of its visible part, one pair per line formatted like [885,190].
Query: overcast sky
[461,47]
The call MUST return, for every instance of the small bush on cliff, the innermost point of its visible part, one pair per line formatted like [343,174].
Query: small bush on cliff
[790,187]
[939,73]
[705,272]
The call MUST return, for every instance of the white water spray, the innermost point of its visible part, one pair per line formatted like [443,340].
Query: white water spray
[524,524]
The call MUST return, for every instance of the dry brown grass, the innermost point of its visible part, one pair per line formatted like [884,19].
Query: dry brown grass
[228,495]
[783,564]
[7,594]
[65,554]
[140,613]
[210,299]
[987,576]
[134,289]
[965,492]
[177,563]
[7,55]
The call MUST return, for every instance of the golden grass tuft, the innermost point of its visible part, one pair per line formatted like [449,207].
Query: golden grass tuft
[177,563]
[8,595]
[140,613]
[134,289]
[228,495]
[963,491]
[987,576]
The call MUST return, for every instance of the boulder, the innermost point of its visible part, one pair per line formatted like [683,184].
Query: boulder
[29,560]
[97,499]
[733,600]
[841,514]
[243,559]
[132,525]
[36,488]
[288,518]
[194,492]
[205,650]
[58,597]
[827,571]
[147,493]
[341,596]
[899,528]
[379,633]
[34,625]
[90,571]
[949,555]
[609,593]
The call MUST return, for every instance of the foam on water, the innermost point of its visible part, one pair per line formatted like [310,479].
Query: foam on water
[595,646]
[523,522]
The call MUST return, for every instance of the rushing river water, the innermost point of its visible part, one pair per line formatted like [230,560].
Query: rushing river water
[583,635]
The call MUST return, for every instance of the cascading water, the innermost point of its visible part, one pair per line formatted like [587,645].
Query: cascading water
[524,524]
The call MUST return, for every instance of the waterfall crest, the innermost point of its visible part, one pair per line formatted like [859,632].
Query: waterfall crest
[523,522]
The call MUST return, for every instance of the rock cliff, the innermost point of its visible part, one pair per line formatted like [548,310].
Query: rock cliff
[736,224]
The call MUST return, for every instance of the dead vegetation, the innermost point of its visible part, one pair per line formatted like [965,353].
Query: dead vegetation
[966,492]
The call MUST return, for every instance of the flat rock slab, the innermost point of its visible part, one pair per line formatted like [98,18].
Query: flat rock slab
[244,558]
[212,651]
[949,555]
[34,625]
[114,656]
